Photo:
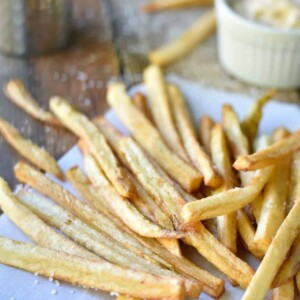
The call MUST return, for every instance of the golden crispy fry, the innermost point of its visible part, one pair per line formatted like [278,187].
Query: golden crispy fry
[156,5]
[80,125]
[34,227]
[95,241]
[114,137]
[227,201]
[294,181]
[100,275]
[124,209]
[275,255]
[114,227]
[227,224]
[290,266]
[285,291]
[206,125]
[32,152]
[251,122]
[140,102]
[212,285]
[163,193]
[247,233]
[18,94]
[269,155]
[273,206]
[140,127]
[160,101]
[186,42]
[186,130]
[98,221]
[198,236]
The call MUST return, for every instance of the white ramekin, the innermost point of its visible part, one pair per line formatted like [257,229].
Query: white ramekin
[256,53]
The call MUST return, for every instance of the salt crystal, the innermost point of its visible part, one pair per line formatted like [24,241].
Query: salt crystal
[53,292]
[114,294]
[36,273]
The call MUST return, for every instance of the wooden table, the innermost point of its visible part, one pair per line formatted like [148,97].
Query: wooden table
[111,39]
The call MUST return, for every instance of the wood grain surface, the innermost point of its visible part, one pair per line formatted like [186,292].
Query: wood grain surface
[111,38]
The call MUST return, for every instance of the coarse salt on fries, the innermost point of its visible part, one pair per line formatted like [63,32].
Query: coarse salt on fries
[80,125]
[101,275]
[32,152]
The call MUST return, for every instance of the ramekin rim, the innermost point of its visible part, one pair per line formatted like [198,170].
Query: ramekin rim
[257,25]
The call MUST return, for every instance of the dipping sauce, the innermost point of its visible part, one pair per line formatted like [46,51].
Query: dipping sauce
[275,13]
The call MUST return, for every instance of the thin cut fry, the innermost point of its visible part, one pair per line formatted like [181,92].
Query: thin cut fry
[253,117]
[206,125]
[269,155]
[140,128]
[160,101]
[186,42]
[34,227]
[247,233]
[273,206]
[95,241]
[227,224]
[100,275]
[32,152]
[186,130]
[140,102]
[212,285]
[275,255]
[18,94]
[124,209]
[197,235]
[226,202]
[157,5]
[285,291]
[80,125]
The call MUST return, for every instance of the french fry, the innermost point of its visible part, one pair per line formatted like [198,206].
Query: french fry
[186,42]
[254,115]
[160,101]
[197,235]
[95,241]
[32,152]
[290,266]
[294,181]
[140,127]
[274,201]
[156,5]
[124,209]
[186,130]
[226,202]
[227,224]
[34,227]
[269,155]
[212,285]
[100,275]
[140,102]
[285,291]
[275,255]
[82,127]
[247,233]
[17,93]
[100,222]
[206,125]
[116,228]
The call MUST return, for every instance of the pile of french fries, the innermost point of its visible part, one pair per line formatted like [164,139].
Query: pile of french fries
[141,196]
